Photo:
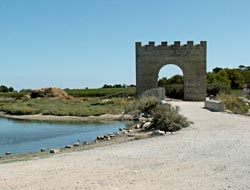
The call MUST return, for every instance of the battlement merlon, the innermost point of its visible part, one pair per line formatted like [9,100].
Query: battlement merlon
[177,44]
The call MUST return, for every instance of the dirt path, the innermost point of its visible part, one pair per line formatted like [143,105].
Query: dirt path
[214,153]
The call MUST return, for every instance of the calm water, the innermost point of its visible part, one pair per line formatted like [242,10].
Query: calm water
[20,137]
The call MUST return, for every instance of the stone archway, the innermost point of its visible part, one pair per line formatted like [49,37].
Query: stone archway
[190,58]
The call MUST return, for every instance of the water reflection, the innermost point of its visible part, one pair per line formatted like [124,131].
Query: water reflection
[19,137]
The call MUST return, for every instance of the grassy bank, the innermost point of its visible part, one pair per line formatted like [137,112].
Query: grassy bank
[62,107]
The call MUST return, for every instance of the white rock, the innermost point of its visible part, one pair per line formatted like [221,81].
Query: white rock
[138,126]
[76,144]
[68,146]
[101,137]
[228,111]
[86,143]
[147,124]
[54,151]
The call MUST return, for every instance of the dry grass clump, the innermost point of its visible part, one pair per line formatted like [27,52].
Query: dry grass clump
[167,118]
[235,104]
[49,93]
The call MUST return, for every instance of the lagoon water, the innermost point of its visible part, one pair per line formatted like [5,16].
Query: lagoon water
[21,137]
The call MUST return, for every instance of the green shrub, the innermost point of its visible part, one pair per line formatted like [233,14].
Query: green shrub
[167,118]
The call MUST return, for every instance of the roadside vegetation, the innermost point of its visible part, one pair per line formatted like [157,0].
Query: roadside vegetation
[164,117]
[235,104]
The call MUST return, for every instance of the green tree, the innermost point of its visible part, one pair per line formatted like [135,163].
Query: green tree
[246,76]
[163,82]
[11,89]
[217,69]
[242,67]
[176,79]
[174,87]
[218,82]
[236,78]
[4,88]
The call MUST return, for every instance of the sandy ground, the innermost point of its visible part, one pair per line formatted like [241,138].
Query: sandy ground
[214,154]
[40,117]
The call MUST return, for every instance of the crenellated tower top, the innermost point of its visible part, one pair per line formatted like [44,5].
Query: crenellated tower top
[177,44]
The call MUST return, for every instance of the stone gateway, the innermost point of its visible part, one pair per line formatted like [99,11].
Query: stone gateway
[190,58]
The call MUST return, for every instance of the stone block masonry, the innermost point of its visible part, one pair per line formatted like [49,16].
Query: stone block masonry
[190,58]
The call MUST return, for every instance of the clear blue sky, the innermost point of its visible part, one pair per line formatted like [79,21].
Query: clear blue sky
[89,43]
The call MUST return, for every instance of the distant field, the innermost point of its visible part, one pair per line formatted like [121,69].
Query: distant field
[100,92]
[12,94]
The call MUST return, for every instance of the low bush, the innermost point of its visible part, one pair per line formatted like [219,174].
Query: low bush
[167,118]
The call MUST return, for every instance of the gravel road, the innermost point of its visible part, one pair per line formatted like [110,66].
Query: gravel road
[212,154]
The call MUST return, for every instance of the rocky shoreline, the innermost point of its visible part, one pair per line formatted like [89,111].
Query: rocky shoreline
[140,130]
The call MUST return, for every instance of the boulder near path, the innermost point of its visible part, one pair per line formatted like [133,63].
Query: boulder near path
[212,154]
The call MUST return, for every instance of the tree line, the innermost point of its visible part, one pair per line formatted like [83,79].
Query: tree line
[4,88]
[219,80]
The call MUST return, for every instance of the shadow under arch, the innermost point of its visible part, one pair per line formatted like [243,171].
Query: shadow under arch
[190,58]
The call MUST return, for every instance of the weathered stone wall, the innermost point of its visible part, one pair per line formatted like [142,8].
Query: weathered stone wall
[189,57]
[156,92]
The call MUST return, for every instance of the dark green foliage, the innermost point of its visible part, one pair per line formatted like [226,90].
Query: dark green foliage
[217,69]
[175,91]
[176,79]
[174,87]
[217,88]
[225,80]
[4,88]
[236,78]
[11,89]
[217,83]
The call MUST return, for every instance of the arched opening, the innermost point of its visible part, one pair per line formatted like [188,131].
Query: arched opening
[171,78]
